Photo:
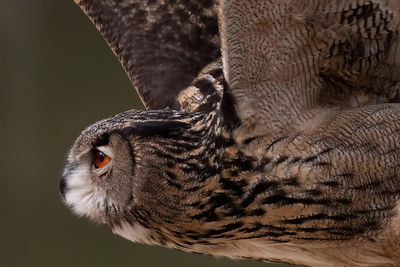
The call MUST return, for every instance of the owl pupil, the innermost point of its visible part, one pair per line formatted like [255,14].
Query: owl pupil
[101,156]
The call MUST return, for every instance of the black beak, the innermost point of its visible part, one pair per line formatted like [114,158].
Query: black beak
[63,186]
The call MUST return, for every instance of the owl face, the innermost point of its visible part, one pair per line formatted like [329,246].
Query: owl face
[118,165]
[98,177]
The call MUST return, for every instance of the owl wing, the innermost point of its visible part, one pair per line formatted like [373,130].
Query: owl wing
[289,61]
[162,44]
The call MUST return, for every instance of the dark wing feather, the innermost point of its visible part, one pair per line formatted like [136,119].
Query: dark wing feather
[162,44]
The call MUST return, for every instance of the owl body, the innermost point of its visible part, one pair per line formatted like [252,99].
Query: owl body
[278,151]
[241,201]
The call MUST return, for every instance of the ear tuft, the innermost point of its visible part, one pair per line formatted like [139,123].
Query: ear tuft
[160,128]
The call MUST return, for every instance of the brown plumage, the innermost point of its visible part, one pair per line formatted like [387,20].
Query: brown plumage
[286,150]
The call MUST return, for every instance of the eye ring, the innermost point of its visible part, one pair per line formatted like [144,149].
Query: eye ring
[100,159]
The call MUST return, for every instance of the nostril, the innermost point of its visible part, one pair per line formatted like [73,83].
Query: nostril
[62,187]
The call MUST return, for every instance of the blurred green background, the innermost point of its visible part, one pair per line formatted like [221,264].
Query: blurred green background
[57,76]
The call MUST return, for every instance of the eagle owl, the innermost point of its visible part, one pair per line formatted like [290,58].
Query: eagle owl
[272,130]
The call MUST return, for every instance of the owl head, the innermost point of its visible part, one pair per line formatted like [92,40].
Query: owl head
[122,164]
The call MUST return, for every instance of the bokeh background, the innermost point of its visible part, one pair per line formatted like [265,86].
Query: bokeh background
[57,76]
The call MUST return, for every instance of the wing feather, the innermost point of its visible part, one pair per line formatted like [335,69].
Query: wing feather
[289,62]
[162,44]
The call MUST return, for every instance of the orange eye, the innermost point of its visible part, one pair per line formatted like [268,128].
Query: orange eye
[100,159]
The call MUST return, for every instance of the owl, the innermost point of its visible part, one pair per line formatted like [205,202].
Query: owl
[271,130]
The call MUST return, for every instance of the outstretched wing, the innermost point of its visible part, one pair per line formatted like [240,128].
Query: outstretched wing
[289,62]
[162,44]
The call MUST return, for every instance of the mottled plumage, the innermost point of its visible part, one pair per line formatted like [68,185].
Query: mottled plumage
[273,133]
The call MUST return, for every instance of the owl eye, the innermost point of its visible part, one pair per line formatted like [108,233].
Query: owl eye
[100,159]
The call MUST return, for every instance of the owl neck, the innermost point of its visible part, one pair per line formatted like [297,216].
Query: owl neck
[223,191]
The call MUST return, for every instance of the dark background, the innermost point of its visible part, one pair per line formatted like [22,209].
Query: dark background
[57,76]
